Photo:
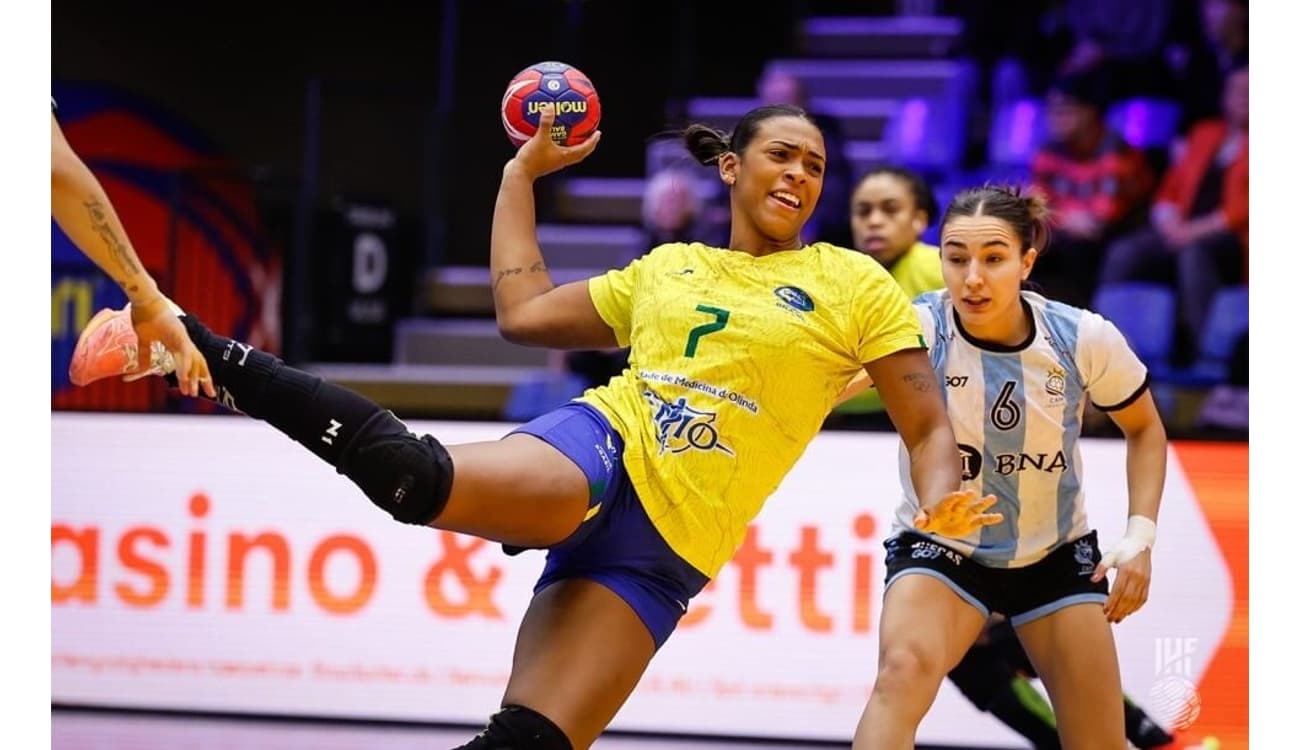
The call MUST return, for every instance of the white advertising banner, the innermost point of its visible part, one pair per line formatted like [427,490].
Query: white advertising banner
[209,563]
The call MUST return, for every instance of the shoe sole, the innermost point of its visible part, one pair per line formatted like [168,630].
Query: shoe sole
[82,371]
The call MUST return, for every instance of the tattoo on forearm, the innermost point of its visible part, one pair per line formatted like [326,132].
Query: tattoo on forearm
[503,273]
[99,222]
[920,381]
[537,267]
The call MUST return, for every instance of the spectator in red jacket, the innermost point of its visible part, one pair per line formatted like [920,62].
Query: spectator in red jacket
[1200,224]
[1094,181]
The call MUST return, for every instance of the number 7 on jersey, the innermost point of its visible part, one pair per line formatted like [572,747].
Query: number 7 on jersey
[720,317]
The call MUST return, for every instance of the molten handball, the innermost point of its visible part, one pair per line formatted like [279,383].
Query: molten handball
[577,108]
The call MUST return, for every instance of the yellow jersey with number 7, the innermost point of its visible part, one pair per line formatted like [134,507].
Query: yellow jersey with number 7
[735,362]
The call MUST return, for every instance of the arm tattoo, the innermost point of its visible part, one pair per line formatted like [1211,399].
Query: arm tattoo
[502,274]
[99,222]
[920,381]
[537,267]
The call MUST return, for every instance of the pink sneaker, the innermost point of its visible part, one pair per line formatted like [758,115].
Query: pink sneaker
[108,347]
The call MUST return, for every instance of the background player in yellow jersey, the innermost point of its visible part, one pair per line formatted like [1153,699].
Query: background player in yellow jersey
[888,211]
[641,490]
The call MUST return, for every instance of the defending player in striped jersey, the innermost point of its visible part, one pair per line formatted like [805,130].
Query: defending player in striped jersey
[1017,370]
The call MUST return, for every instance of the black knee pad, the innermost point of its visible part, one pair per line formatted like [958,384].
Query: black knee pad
[519,728]
[408,476]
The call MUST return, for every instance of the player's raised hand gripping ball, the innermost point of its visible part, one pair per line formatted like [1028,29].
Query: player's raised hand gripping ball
[577,107]
[541,156]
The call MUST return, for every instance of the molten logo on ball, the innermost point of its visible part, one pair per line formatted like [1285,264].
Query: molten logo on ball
[561,108]
[577,107]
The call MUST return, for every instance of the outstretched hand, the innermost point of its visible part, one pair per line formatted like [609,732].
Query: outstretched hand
[155,321]
[957,514]
[540,155]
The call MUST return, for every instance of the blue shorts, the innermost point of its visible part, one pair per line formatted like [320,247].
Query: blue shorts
[617,546]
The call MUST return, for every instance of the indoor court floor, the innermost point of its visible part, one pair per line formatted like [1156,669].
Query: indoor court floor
[104,730]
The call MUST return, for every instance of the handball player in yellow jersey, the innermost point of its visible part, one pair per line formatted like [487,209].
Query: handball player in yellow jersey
[640,490]
[891,207]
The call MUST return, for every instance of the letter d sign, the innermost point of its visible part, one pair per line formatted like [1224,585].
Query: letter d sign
[369,263]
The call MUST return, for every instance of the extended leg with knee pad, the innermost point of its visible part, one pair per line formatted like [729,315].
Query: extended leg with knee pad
[519,728]
[408,476]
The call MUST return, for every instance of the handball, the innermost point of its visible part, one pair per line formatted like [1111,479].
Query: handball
[577,107]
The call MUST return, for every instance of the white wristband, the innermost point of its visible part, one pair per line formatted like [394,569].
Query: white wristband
[1143,530]
[1139,537]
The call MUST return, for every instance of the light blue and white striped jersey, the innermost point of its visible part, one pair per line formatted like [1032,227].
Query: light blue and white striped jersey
[1016,412]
